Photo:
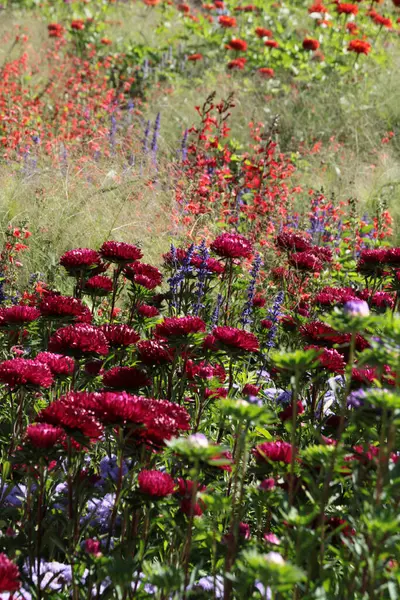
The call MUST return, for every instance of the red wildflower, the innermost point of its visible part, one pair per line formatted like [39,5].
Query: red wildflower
[262,32]
[57,363]
[185,492]
[237,63]
[251,390]
[271,44]
[344,8]
[25,372]
[120,335]
[330,296]
[383,21]
[178,327]
[293,242]
[266,324]
[18,315]
[43,435]
[125,378]
[78,24]
[184,8]
[55,30]
[64,307]
[287,413]
[305,261]
[93,546]
[330,359]
[393,257]
[120,252]
[310,44]
[156,484]
[232,245]
[359,46]
[259,300]
[79,340]
[226,21]
[275,451]
[372,261]
[144,275]
[106,41]
[9,575]
[147,311]
[195,57]
[266,72]
[69,413]
[232,339]
[99,285]
[205,370]
[352,27]
[152,352]
[317,7]
[80,259]
[237,44]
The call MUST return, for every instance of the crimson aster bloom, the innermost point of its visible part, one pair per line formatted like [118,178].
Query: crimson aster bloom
[79,340]
[99,285]
[266,72]
[147,311]
[371,261]
[310,44]
[120,252]
[57,363]
[359,47]
[305,261]
[65,307]
[237,44]
[393,257]
[80,259]
[237,63]
[232,245]
[178,327]
[125,378]
[230,338]
[330,359]
[156,484]
[153,352]
[18,315]
[120,335]
[25,372]
[226,21]
[344,8]
[275,451]
[145,275]
[43,435]
[262,32]
[9,575]
[70,413]
[293,242]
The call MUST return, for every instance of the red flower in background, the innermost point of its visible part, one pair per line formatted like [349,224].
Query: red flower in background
[144,275]
[70,414]
[79,340]
[275,451]
[226,21]
[330,359]
[178,327]
[125,378]
[346,8]
[293,242]
[78,24]
[156,484]
[55,30]
[80,259]
[195,57]
[237,44]
[24,372]
[120,335]
[60,307]
[147,311]
[266,72]
[9,575]
[232,245]
[305,261]
[262,32]
[310,44]
[153,352]
[18,315]
[99,284]
[230,338]
[237,63]
[359,46]
[120,252]
[271,44]
[43,435]
[57,363]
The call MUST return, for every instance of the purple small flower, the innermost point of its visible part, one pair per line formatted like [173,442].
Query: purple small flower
[356,308]
[356,399]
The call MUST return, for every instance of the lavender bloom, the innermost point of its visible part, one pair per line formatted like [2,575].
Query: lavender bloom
[99,511]
[356,308]
[54,576]
[356,399]
[145,143]
[184,145]
[113,132]
[13,496]
[207,585]
[181,273]
[109,469]
[278,395]
[201,277]
[156,132]
[251,290]
[265,592]
[215,315]
[273,315]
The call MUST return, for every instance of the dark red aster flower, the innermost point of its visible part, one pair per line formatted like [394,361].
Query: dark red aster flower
[266,324]
[287,413]
[156,484]
[237,44]
[237,63]
[79,340]
[125,378]
[266,72]
[330,359]
[43,435]
[70,413]
[344,8]
[232,245]
[393,257]
[147,311]
[78,24]
[335,523]
[330,296]
[251,390]
[145,275]
[120,335]
[18,315]
[57,363]
[9,575]
[120,252]
[80,259]
[178,327]
[305,261]
[321,334]
[204,370]
[213,265]
[363,377]
[226,21]
[99,285]
[271,44]
[153,352]
[380,300]
[185,492]
[65,307]
[322,252]
[293,242]
[55,30]
[276,451]
[230,338]
[372,261]
[214,393]
[25,372]
[259,301]
[310,44]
